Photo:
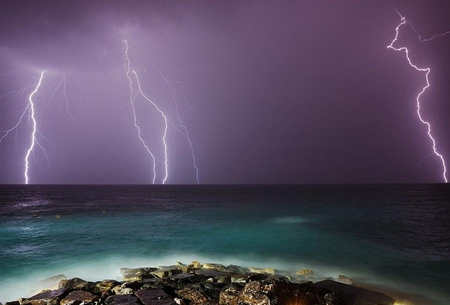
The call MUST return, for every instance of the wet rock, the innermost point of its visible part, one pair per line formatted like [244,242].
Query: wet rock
[78,297]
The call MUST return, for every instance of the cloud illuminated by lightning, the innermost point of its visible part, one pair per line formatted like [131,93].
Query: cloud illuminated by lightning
[30,110]
[427,72]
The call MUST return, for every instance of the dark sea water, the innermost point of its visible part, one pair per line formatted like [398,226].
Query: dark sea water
[394,235]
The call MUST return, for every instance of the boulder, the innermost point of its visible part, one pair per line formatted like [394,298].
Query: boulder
[76,284]
[195,265]
[50,283]
[229,296]
[254,294]
[154,297]
[44,298]
[78,297]
[122,290]
[135,274]
[305,272]
[344,280]
[262,270]
[105,285]
[234,269]
[212,266]
[196,295]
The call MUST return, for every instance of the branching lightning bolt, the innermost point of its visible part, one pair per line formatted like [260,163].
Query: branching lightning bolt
[166,126]
[185,131]
[133,94]
[427,72]
[32,120]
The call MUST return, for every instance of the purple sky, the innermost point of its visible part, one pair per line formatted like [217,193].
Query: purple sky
[270,91]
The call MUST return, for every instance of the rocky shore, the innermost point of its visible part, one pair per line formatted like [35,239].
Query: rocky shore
[208,284]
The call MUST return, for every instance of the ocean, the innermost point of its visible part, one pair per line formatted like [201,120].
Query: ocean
[397,236]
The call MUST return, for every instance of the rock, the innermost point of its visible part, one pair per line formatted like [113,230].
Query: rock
[154,297]
[50,283]
[76,284]
[239,278]
[167,271]
[122,290]
[305,272]
[344,280]
[105,285]
[78,297]
[211,273]
[44,298]
[217,267]
[262,270]
[229,296]
[234,269]
[195,265]
[135,274]
[196,295]
[122,300]
[184,268]
[254,294]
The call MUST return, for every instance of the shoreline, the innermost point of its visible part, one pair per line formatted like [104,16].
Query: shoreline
[218,284]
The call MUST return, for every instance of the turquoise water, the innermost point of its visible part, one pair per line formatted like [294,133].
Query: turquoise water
[395,235]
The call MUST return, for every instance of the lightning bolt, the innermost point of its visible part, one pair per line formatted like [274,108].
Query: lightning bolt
[427,72]
[185,132]
[166,126]
[133,94]
[32,120]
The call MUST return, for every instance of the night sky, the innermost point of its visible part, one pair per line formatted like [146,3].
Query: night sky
[269,91]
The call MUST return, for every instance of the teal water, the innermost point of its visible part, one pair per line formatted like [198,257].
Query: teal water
[394,235]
